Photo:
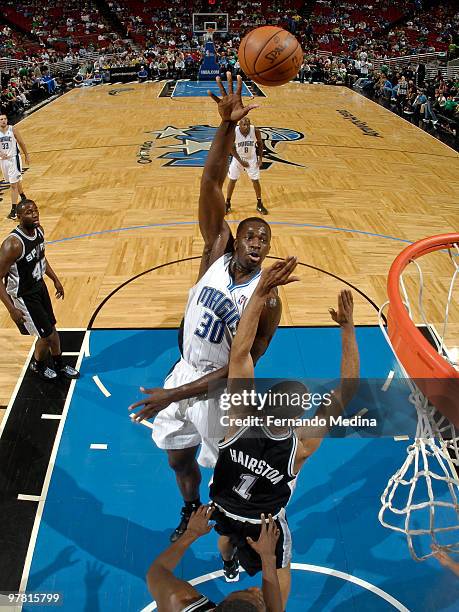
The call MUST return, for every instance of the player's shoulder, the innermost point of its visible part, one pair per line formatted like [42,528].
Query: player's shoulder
[12,245]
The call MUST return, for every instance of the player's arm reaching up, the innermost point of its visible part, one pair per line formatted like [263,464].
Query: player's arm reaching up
[241,361]
[214,229]
[241,364]
[172,594]
[311,437]
[217,240]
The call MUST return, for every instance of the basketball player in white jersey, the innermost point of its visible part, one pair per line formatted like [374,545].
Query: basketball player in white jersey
[228,275]
[10,161]
[247,152]
[257,466]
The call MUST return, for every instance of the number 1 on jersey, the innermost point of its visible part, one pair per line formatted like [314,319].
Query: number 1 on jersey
[246,483]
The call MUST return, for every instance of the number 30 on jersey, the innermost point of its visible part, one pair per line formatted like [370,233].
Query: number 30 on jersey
[211,328]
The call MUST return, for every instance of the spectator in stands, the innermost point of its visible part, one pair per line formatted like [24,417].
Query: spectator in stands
[142,75]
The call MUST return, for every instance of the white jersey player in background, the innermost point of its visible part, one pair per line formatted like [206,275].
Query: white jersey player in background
[10,161]
[247,152]
[228,275]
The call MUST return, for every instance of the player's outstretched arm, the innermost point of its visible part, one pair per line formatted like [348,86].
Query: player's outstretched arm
[265,546]
[214,229]
[171,593]
[350,375]
[241,363]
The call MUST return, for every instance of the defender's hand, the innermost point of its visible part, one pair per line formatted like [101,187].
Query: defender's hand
[265,546]
[198,524]
[230,104]
[277,274]
[345,314]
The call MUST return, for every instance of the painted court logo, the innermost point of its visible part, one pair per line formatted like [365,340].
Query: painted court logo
[190,145]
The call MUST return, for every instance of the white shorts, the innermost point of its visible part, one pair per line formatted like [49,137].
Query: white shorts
[189,422]
[12,169]
[236,168]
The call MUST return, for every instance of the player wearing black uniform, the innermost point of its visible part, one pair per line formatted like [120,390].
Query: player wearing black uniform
[23,291]
[256,470]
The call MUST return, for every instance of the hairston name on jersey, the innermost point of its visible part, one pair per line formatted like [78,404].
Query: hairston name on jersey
[221,306]
[191,144]
[257,466]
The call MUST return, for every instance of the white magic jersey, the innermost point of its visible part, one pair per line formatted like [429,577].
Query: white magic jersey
[246,145]
[212,315]
[8,144]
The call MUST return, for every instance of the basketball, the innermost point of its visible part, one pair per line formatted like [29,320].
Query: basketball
[270,56]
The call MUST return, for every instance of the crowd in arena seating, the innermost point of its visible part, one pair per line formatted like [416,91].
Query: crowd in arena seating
[355,34]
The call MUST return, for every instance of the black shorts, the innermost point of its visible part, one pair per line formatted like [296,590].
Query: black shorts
[38,312]
[238,531]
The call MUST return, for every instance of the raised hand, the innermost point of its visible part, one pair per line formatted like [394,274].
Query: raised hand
[230,104]
[265,546]
[277,274]
[345,314]
[198,524]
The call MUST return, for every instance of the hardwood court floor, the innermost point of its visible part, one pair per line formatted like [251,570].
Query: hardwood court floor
[350,205]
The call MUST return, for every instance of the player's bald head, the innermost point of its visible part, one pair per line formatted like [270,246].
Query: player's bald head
[23,205]
[252,221]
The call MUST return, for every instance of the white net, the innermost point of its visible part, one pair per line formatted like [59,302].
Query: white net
[421,498]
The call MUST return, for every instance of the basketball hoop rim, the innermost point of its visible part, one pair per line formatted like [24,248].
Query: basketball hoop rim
[401,329]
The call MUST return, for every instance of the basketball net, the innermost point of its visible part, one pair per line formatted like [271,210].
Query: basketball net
[209,35]
[421,498]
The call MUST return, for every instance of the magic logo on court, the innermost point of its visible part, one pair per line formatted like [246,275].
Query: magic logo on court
[188,146]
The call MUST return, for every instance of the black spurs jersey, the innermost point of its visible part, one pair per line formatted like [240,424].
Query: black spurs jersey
[254,473]
[26,274]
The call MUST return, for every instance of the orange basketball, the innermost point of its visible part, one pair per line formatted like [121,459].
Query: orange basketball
[270,56]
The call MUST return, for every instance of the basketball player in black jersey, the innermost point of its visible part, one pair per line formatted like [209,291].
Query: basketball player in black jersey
[175,595]
[24,294]
[250,248]
[257,466]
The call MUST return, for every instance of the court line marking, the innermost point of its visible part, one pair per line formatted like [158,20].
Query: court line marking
[101,386]
[85,345]
[16,389]
[98,446]
[185,223]
[388,380]
[144,422]
[51,417]
[47,480]
[306,567]
[23,497]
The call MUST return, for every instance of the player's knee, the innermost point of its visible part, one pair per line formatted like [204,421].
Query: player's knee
[182,461]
